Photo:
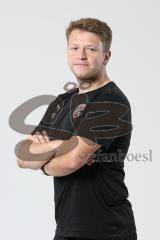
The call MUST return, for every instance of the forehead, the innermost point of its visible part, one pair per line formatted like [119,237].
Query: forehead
[78,36]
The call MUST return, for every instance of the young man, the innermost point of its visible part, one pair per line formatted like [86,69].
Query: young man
[91,121]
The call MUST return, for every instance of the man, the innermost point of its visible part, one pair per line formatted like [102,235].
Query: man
[91,121]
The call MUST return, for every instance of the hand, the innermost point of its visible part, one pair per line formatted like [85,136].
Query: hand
[40,138]
[90,162]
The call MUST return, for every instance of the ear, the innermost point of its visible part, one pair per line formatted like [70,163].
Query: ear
[107,55]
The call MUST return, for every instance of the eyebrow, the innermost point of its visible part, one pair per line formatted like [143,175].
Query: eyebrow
[90,45]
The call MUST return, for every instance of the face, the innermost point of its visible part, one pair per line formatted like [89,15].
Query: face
[86,56]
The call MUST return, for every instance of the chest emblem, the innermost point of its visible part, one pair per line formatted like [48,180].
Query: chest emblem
[77,112]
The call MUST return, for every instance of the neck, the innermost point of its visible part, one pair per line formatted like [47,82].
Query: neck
[89,85]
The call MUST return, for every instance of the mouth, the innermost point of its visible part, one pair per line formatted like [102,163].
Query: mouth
[81,65]
[86,64]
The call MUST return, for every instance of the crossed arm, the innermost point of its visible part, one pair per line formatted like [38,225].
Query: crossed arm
[64,156]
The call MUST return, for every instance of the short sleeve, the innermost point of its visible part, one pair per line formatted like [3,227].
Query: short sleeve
[49,118]
[102,122]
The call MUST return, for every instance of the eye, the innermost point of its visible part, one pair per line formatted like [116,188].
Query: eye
[74,48]
[91,49]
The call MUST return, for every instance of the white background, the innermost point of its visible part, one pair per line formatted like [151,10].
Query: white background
[33,62]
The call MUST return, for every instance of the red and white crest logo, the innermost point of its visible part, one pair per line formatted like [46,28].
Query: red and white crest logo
[79,110]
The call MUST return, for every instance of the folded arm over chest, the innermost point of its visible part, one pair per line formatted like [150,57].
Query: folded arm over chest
[70,156]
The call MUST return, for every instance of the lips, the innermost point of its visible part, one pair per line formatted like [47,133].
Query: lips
[81,64]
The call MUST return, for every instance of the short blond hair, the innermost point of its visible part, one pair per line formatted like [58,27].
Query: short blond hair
[95,26]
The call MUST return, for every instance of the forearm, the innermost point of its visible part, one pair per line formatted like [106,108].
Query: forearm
[34,155]
[65,147]
[64,162]
[47,147]
[59,166]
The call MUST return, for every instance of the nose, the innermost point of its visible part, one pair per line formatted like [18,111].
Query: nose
[82,54]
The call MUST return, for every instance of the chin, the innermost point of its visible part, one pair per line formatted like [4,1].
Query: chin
[87,77]
[84,76]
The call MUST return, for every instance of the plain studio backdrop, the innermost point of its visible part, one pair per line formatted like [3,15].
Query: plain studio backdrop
[33,62]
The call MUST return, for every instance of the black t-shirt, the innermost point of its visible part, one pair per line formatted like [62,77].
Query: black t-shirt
[92,202]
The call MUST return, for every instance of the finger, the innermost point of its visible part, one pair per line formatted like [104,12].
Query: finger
[45,135]
[36,139]
[90,162]
[40,137]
